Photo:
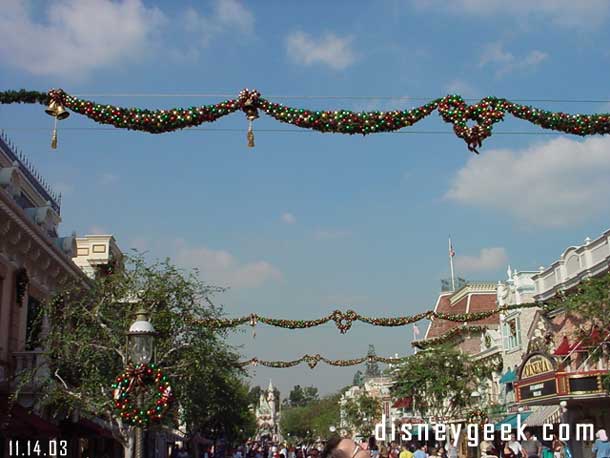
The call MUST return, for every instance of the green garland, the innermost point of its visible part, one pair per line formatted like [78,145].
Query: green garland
[344,320]
[23,96]
[452,109]
[140,378]
[449,335]
[313,360]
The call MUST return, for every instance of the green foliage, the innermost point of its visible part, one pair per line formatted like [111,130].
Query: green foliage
[87,345]
[590,299]
[300,397]
[361,413]
[440,380]
[316,416]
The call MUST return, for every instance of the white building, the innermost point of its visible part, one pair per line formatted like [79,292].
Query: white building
[268,415]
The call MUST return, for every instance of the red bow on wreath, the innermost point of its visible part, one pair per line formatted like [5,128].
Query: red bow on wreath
[136,377]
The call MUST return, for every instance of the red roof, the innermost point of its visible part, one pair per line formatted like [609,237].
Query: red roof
[472,303]
[403,403]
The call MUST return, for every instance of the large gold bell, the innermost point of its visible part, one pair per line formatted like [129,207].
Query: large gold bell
[57,110]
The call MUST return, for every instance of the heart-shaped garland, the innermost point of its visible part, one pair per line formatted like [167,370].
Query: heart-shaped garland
[490,110]
[344,320]
[312,360]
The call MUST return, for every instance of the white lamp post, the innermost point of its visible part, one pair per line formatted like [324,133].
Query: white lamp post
[141,338]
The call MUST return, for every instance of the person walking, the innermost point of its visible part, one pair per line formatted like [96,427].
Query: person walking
[532,448]
[601,446]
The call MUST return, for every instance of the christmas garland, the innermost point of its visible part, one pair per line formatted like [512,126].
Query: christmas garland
[452,109]
[138,379]
[313,360]
[344,320]
[449,335]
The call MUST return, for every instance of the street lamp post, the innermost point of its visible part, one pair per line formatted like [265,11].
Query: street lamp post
[141,337]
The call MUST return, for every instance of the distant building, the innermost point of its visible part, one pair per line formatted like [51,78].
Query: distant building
[268,415]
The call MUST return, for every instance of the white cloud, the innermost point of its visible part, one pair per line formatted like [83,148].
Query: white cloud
[62,188]
[556,183]
[462,88]
[331,50]
[221,268]
[226,16]
[75,37]
[97,230]
[488,259]
[289,218]
[505,62]
[331,234]
[108,178]
[567,13]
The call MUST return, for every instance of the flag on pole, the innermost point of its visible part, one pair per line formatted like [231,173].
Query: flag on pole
[451,250]
[415,331]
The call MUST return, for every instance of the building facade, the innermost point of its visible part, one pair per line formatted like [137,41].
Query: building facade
[34,261]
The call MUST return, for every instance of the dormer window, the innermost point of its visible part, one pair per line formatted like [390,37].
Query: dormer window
[511,333]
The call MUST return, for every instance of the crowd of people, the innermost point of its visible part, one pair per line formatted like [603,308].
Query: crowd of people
[337,447]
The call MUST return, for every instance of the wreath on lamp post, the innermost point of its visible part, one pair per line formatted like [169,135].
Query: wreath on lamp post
[477,417]
[146,379]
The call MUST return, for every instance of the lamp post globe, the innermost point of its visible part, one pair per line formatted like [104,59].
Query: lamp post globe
[141,338]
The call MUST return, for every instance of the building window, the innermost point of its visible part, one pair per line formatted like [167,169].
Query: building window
[512,333]
[34,325]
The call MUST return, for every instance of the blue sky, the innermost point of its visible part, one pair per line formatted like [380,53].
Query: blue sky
[305,222]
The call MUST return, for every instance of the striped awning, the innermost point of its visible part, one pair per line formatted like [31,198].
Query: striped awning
[509,377]
[544,414]
[512,420]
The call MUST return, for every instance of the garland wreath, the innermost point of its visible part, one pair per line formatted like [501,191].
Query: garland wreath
[477,417]
[452,109]
[135,380]
[313,360]
[344,320]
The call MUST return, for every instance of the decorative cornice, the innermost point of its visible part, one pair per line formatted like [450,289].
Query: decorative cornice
[25,226]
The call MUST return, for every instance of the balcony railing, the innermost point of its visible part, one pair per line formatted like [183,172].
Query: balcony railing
[29,368]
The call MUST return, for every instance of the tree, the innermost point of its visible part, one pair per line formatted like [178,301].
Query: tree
[299,397]
[361,413]
[316,416]
[372,368]
[86,347]
[440,380]
[358,378]
[254,395]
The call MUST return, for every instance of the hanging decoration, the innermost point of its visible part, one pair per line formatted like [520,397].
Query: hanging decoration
[313,360]
[452,109]
[344,320]
[59,113]
[449,335]
[138,379]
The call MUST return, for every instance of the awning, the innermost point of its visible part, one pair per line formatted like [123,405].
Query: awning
[403,403]
[512,420]
[509,377]
[86,428]
[564,347]
[19,421]
[545,414]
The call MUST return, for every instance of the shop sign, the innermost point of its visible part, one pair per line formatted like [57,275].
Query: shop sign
[536,364]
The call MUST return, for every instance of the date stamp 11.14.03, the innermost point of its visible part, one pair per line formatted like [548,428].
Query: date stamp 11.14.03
[35,447]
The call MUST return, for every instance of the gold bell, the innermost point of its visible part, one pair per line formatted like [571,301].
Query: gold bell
[57,110]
